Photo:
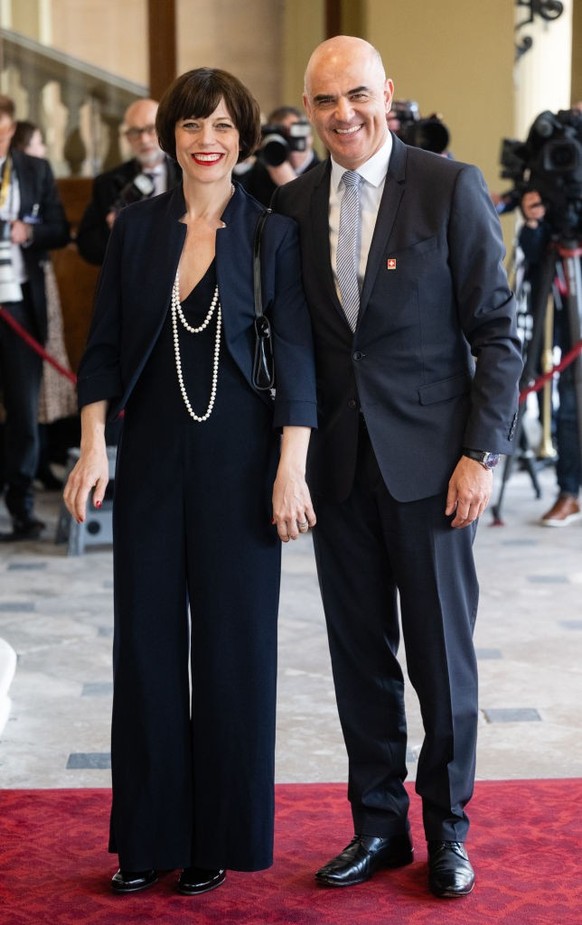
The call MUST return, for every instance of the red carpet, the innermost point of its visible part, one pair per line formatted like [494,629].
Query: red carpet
[525,844]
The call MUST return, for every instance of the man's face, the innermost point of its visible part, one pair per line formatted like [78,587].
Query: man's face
[347,98]
[7,129]
[140,131]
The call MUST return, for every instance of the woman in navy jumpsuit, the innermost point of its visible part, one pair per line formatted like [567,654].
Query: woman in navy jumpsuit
[210,478]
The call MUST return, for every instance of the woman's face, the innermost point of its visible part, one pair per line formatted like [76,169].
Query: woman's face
[207,148]
[36,146]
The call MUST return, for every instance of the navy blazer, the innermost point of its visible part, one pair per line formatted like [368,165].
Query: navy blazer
[39,197]
[134,292]
[435,296]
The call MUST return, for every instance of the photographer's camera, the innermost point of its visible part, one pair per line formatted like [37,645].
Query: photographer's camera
[141,187]
[550,161]
[429,133]
[279,141]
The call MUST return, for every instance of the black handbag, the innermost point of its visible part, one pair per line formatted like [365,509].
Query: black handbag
[264,361]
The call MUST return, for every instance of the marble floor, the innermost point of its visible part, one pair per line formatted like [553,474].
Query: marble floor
[56,615]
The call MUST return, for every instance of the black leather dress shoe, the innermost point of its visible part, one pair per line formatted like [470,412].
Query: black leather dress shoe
[194,880]
[364,855]
[131,881]
[449,870]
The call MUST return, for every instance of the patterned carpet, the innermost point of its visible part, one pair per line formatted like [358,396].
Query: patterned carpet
[525,845]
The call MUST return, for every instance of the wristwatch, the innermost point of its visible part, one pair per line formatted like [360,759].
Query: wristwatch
[487,460]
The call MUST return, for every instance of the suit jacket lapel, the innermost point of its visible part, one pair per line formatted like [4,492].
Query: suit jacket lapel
[319,215]
[393,192]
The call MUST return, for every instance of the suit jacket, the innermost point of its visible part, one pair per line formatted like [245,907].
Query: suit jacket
[39,197]
[435,295]
[93,233]
[134,291]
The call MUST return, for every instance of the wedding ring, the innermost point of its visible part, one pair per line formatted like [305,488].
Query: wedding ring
[302,525]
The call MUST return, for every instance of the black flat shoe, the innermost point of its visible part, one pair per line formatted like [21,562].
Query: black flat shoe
[194,880]
[449,870]
[364,855]
[131,881]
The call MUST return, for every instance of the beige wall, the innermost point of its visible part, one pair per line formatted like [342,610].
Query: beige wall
[304,28]
[111,34]
[245,38]
[454,57]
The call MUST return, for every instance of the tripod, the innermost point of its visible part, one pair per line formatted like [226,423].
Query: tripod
[566,254]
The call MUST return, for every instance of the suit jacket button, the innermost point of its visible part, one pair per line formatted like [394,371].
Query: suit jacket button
[352,403]
[357,355]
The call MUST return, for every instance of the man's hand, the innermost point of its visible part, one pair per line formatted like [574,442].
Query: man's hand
[469,492]
[20,232]
[533,208]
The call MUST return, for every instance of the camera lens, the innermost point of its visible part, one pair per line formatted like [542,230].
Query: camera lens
[274,150]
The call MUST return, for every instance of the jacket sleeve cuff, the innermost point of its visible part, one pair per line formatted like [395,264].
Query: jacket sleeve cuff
[295,414]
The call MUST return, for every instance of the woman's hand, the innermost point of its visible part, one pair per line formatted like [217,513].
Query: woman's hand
[91,472]
[292,508]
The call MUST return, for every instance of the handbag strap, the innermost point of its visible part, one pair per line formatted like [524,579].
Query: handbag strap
[257,281]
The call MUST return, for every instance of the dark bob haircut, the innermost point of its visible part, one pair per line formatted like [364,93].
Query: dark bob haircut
[196,94]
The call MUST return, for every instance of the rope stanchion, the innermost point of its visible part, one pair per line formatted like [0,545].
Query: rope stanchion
[34,344]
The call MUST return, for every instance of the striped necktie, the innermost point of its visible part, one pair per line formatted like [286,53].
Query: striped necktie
[348,247]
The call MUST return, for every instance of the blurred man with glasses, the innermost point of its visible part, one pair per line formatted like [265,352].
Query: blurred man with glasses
[148,173]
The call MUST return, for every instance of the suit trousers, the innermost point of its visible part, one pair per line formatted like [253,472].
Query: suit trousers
[374,553]
[20,377]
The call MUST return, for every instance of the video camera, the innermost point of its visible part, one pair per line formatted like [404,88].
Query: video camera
[429,133]
[140,187]
[550,162]
[278,141]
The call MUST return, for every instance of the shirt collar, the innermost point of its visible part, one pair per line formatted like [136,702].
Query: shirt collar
[373,170]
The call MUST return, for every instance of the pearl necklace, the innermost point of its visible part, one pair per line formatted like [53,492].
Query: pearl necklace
[178,313]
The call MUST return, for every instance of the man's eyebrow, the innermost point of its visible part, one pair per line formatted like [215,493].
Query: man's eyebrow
[321,97]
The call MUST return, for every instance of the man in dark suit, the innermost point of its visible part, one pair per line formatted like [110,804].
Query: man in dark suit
[409,430]
[32,221]
[148,173]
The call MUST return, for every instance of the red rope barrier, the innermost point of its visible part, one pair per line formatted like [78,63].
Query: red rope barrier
[34,344]
[541,380]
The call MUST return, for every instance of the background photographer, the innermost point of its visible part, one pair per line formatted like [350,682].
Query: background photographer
[148,173]
[546,171]
[534,239]
[32,221]
[286,152]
